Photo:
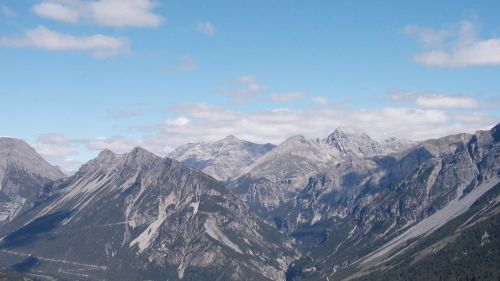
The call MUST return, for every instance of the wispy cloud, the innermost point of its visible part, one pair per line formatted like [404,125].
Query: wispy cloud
[320,100]
[246,87]
[205,27]
[117,13]
[195,122]
[202,122]
[456,47]
[437,101]
[287,97]
[58,150]
[185,64]
[118,144]
[98,45]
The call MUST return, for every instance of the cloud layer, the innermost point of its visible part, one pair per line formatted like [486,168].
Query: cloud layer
[43,38]
[244,88]
[423,116]
[117,13]
[457,47]
[437,101]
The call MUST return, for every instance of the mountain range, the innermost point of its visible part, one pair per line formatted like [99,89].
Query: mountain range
[342,207]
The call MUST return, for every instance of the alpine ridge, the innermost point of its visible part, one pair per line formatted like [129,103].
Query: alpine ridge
[280,174]
[139,216]
[345,207]
[223,159]
[354,218]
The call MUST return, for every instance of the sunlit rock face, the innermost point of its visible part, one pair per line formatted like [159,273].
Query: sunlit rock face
[223,159]
[23,174]
[280,174]
[139,216]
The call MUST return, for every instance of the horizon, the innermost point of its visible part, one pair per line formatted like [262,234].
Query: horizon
[71,172]
[76,80]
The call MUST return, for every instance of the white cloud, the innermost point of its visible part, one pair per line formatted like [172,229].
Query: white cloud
[117,13]
[441,101]
[43,38]
[186,64]
[205,27]
[320,100]
[6,11]
[118,144]
[437,101]
[287,97]
[456,48]
[204,122]
[58,150]
[247,88]
[58,11]
[428,36]
[178,122]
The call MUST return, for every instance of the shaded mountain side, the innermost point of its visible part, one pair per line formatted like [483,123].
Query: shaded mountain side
[466,248]
[365,210]
[138,216]
[278,176]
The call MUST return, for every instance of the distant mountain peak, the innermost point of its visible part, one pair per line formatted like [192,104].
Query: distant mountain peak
[223,159]
[141,153]
[106,153]
[231,138]
[346,130]
[296,138]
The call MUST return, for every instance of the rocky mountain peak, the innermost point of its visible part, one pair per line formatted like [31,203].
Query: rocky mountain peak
[106,154]
[231,138]
[23,174]
[295,139]
[107,160]
[223,159]
[20,154]
[342,134]
[140,154]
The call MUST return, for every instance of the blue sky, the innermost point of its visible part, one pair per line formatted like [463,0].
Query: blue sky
[77,76]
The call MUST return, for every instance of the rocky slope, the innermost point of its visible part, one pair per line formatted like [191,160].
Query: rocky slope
[280,174]
[23,174]
[464,248]
[365,211]
[223,159]
[137,216]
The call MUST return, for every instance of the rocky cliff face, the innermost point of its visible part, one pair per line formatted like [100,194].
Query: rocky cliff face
[346,207]
[279,175]
[138,216]
[366,210]
[224,159]
[23,174]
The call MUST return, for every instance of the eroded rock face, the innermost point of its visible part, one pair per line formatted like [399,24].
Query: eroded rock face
[137,215]
[223,159]
[23,174]
[281,174]
[367,209]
